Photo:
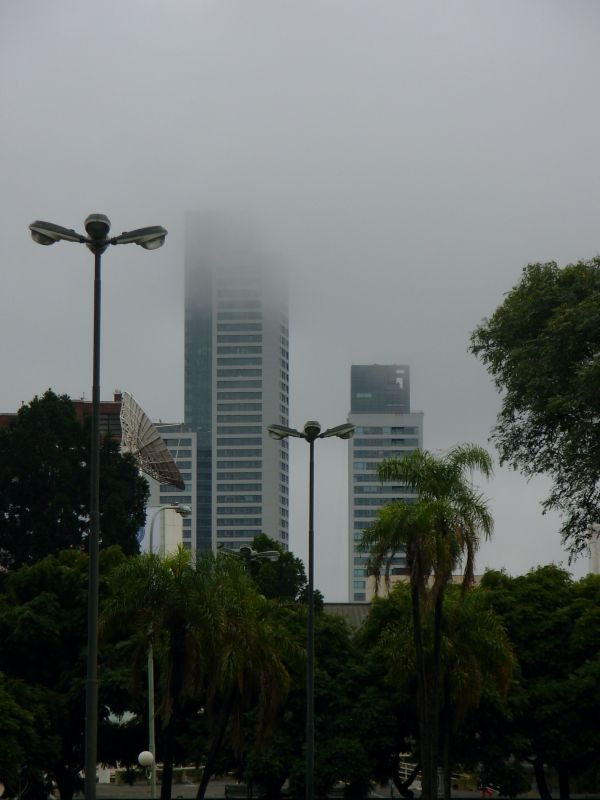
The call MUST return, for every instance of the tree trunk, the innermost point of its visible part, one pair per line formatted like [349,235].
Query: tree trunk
[540,779]
[446,751]
[170,730]
[67,782]
[435,687]
[215,746]
[168,753]
[422,689]
[563,783]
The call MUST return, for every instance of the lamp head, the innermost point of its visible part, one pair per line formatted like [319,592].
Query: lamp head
[150,238]
[268,555]
[312,429]
[145,759]
[182,509]
[47,233]
[345,431]
[97,227]
[282,432]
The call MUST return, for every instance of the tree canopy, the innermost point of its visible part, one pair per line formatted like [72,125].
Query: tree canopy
[284,579]
[42,667]
[440,526]
[45,485]
[554,625]
[542,347]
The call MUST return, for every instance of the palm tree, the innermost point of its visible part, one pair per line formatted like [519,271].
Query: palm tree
[476,652]
[439,530]
[210,636]
[248,667]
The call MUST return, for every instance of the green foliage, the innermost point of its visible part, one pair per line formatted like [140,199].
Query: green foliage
[476,656]
[350,716]
[554,625]
[45,485]
[19,740]
[284,579]
[435,531]
[43,634]
[216,642]
[542,347]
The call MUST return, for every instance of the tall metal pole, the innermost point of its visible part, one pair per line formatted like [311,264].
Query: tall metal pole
[91,686]
[310,633]
[151,725]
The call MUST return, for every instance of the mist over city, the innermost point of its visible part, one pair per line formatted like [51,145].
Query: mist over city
[400,162]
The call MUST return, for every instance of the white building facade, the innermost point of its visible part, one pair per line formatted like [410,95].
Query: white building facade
[182,446]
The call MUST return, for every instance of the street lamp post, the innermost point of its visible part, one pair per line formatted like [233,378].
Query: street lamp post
[311,432]
[184,511]
[97,227]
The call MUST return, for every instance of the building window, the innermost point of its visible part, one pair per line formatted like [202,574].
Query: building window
[239,326]
[240,361]
[239,487]
[239,395]
[236,384]
[239,407]
[239,349]
[238,464]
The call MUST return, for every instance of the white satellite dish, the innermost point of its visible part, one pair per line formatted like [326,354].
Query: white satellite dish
[140,438]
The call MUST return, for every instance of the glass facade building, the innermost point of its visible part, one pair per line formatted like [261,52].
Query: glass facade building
[385,428]
[236,383]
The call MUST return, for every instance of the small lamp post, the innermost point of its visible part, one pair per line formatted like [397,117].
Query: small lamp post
[97,227]
[311,432]
[183,511]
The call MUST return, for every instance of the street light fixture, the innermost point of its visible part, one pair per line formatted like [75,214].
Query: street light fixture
[311,432]
[183,511]
[246,553]
[97,227]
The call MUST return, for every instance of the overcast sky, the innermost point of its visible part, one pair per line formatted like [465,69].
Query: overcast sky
[403,160]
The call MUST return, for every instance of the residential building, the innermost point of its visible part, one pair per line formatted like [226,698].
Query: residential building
[181,443]
[236,383]
[110,411]
[385,428]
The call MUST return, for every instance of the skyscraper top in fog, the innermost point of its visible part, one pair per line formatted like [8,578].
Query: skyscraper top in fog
[380,389]
[236,382]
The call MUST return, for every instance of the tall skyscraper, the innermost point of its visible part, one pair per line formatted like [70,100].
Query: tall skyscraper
[385,428]
[236,383]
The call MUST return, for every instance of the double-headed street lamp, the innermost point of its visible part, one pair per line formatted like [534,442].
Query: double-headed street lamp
[311,432]
[246,553]
[97,227]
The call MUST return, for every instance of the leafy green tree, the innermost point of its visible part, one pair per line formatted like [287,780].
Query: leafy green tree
[19,739]
[351,714]
[284,579]
[475,652]
[214,644]
[45,485]
[436,532]
[542,347]
[554,625]
[43,634]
